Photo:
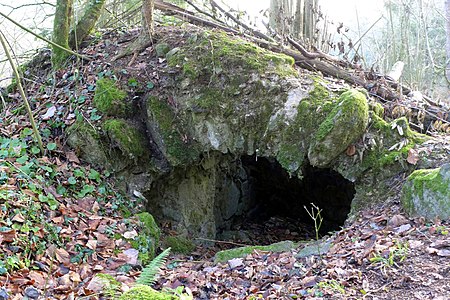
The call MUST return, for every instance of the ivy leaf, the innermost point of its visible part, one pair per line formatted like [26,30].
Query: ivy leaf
[51,146]
[71,180]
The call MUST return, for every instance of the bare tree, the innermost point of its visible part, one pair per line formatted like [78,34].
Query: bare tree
[86,23]
[447,47]
[61,29]
[295,18]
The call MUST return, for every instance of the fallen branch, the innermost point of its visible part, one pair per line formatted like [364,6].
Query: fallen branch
[243,25]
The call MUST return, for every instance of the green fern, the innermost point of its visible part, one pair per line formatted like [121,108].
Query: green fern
[148,275]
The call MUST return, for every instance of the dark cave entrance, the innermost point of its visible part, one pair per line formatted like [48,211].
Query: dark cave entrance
[277,202]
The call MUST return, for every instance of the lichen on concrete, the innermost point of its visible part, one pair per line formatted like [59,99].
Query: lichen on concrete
[427,192]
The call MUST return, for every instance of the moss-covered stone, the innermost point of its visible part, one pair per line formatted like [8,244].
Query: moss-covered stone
[148,239]
[86,139]
[144,292]
[377,108]
[392,144]
[109,99]
[211,53]
[179,244]
[162,49]
[311,111]
[129,140]
[226,255]
[346,123]
[171,133]
[427,192]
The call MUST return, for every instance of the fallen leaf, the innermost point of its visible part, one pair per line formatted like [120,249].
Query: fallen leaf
[91,244]
[72,157]
[132,256]
[413,156]
[49,114]
[235,262]
[8,235]
[403,228]
[130,234]
[351,150]
[62,256]
[18,218]
[443,252]
[397,220]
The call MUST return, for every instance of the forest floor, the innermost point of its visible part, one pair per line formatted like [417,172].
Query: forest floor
[62,222]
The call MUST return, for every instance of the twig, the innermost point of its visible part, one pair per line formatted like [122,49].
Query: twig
[245,26]
[203,12]
[222,242]
[43,38]
[22,93]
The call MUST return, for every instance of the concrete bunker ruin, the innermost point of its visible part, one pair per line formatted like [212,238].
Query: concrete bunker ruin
[228,197]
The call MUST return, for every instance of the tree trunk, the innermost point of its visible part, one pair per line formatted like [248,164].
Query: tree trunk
[61,27]
[447,48]
[145,39]
[86,23]
[147,17]
[309,21]
[297,30]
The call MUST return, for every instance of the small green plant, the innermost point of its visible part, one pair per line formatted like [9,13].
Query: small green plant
[442,230]
[332,285]
[315,214]
[396,253]
[148,275]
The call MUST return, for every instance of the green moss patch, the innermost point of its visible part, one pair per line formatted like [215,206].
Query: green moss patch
[109,99]
[211,53]
[179,244]
[148,239]
[226,255]
[126,137]
[392,144]
[171,134]
[144,292]
[427,192]
[344,125]
[311,112]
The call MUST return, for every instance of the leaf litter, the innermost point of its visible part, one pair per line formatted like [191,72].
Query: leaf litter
[59,227]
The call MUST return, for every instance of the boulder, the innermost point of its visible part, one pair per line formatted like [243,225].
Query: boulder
[426,193]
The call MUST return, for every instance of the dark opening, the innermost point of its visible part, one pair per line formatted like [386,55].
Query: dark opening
[278,202]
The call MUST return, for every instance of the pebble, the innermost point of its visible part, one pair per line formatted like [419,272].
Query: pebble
[3,294]
[31,292]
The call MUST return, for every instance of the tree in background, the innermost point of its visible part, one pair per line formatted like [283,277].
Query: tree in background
[61,29]
[70,39]
[447,48]
[415,33]
[86,23]
[296,18]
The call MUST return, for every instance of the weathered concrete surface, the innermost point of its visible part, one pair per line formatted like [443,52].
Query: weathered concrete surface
[222,98]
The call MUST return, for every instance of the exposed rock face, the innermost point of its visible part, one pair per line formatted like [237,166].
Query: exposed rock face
[427,193]
[221,98]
